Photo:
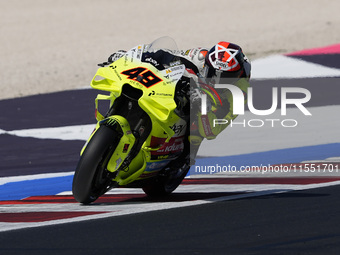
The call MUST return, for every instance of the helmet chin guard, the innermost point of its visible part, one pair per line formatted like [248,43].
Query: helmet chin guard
[224,60]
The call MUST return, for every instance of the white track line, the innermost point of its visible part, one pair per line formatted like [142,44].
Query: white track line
[119,209]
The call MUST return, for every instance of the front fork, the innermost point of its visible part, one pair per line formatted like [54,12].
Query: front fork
[125,144]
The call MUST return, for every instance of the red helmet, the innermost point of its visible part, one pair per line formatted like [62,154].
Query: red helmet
[224,60]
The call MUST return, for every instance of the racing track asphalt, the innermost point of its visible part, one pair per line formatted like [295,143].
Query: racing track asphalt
[298,222]
[76,107]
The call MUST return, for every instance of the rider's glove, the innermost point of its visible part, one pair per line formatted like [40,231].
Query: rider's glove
[196,100]
[115,56]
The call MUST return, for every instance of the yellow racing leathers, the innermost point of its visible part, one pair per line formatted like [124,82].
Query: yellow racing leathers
[210,124]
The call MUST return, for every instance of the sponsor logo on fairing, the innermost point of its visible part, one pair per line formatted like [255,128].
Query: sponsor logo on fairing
[152,61]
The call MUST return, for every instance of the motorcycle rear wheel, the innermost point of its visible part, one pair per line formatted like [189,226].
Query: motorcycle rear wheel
[165,185]
[91,178]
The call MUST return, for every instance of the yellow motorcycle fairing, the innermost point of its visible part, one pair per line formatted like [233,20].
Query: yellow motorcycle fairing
[157,101]
[158,91]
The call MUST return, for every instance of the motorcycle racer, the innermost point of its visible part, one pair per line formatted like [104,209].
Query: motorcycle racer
[224,63]
[163,103]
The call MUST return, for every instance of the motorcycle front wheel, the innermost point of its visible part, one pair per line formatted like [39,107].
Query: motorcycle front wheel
[91,178]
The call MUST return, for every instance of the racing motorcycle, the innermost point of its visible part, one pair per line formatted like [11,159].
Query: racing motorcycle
[143,137]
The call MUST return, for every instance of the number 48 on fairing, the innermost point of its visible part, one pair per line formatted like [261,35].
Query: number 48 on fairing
[142,75]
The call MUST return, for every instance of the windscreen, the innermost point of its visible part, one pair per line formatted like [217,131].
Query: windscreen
[161,53]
